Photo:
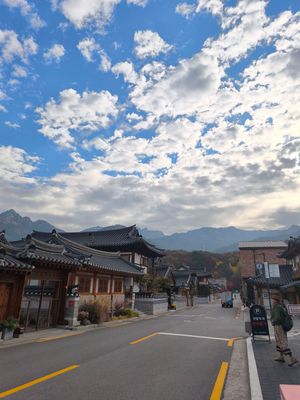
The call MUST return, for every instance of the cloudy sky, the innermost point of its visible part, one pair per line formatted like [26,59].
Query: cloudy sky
[169,114]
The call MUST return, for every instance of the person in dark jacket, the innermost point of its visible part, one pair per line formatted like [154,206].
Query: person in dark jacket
[277,319]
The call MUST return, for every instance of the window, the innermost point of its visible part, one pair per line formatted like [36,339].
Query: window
[118,285]
[144,261]
[126,257]
[103,285]
[84,284]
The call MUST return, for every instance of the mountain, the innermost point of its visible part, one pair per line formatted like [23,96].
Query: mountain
[101,228]
[219,240]
[17,227]
[149,235]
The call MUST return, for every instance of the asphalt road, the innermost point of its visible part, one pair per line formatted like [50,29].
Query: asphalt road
[166,366]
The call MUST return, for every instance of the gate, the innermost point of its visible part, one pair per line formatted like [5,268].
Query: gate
[5,293]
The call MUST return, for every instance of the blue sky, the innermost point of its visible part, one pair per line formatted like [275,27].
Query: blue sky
[169,114]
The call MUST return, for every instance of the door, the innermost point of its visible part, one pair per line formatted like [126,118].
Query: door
[5,293]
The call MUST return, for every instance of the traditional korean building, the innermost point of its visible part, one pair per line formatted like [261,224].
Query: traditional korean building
[131,245]
[50,269]
[13,274]
[292,256]
[262,270]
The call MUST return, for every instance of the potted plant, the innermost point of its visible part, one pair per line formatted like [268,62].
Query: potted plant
[8,326]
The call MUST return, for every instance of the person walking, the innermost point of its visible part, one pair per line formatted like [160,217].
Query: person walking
[278,318]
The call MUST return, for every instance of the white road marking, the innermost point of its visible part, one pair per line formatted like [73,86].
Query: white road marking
[187,315]
[255,388]
[193,336]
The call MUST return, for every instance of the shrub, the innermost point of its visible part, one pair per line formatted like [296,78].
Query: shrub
[9,324]
[126,312]
[93,310]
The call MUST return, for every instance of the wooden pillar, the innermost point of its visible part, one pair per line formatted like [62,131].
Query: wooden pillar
[94,285]
[111,296]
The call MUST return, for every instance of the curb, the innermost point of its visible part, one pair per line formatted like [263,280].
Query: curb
[255,388]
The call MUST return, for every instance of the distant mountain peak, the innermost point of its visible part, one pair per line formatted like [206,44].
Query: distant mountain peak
[17,227]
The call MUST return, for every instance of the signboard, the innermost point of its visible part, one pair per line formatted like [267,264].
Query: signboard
[271,270]
[259,267]
[259,322]
[293,309]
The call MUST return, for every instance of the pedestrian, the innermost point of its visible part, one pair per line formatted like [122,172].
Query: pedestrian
[278,317]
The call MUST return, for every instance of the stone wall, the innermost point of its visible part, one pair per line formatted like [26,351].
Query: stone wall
[151,306]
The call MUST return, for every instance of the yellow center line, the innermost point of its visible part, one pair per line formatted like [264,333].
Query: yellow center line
[144,338]
[36,381]
[232,340]
[48,339]
[219,384]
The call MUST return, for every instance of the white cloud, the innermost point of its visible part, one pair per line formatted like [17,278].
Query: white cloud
[27,10]
[11,47]
[141,3]
[2,108]
[149,44]
[182,90]
[15,164]
[213,6]
[126,68]
[74,113]
[55,53]
[12,125]
[19,72]
[89,48]
[185,9]
[82,13]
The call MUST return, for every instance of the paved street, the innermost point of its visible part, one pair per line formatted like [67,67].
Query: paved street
[182,361]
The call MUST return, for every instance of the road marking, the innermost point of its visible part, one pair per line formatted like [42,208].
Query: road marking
[48,339]
[232,340]
[186,315]
[36,381]
[193,336]
[255,388]
[219,384]
[144,338]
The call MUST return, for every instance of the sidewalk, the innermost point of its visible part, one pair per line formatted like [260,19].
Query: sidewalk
[271,373]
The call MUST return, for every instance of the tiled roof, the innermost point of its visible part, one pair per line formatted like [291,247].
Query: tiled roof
[182,278]
[98,259]
[127,237]
[163,270]
[9,260]
[263,244]
[60,251]
[34,249]
[286,274]
[294,284]
[293,249]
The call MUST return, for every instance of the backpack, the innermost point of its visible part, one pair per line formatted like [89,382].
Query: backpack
[287,323]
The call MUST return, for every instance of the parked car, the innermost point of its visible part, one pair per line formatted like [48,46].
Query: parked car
[226,299]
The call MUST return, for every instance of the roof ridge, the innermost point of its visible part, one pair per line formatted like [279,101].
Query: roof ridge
[89,250]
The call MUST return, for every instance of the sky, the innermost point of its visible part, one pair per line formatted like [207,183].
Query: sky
[167,114]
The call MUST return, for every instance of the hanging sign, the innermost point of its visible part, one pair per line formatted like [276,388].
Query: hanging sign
[259,321]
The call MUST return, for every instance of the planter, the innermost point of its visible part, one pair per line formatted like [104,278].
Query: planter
[7,334]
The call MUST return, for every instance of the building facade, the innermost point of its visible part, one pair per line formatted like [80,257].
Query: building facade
[36,277]
[262,270]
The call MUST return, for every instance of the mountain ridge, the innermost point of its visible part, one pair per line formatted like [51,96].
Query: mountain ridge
[219,240]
